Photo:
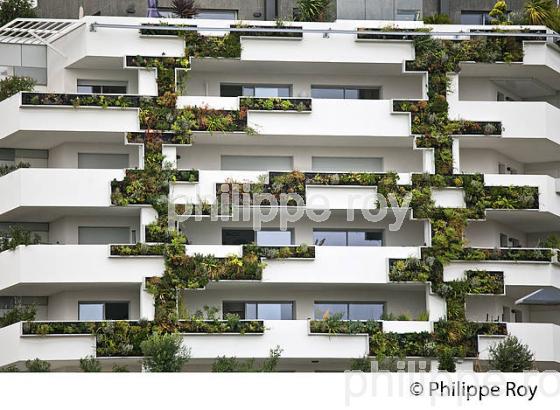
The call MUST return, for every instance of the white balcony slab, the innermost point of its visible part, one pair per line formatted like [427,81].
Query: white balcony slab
[56,187]
[543,340]
[404,326]
[16,348]
[16,118]
[66,264]
[340,197]
[449,197]
[291,335]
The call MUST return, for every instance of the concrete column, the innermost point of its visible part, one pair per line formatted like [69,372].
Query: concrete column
[169,156]
[456,156]
[147,82]
[147,307]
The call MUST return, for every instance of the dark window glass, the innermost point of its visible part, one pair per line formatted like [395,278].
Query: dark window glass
[236,308]
[475,17]
[369,94]
[217,14]
[348,93]
[365,311]
[274,238]
[237,236]
[324,310]
[329,238]
[116,311]
[85,88]
[367,238]
[347,238]
[266,310]
[230,90]
[326,92]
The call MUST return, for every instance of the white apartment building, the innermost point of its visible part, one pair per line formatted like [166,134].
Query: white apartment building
[329,105]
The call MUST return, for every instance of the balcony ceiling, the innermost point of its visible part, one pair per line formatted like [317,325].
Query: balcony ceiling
[231,66]
[50,214]
[543,74]
[528,221]
[49,289]
[527,150]
[50,139]
[289,287]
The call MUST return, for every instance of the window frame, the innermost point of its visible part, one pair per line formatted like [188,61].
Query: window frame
[345,88]
[101,83]
[290,88]
[261,302]
[382,231]
[104,303]
[348,303]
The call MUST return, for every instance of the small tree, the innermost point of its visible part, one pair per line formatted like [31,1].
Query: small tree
[511,356]
[38,366]
[13,9]
[90,364]
[539,12]
[185,9]
[499,13]
[14,84]
[164,353]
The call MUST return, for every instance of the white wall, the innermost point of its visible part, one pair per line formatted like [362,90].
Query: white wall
[66,155]
[64,305]
[485,161]
[397,301]
[65,230]
[486,234]
[201,156]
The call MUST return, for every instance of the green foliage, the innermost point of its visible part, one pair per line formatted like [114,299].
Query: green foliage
[16,236]
[541,12]
[499,13]
[225,364]
[38,366]
[362,364]
[276,104]
[90,364]
[18,314]
[9,369]
[13,9]
[446,360]
[6,169]
[119,369]
[551,241]
[13,85]
[313,10]
[164,353]
[437,19]
[511,356]
[184,9]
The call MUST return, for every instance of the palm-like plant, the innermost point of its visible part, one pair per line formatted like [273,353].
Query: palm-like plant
[184,9]
[313,10]
[539,12]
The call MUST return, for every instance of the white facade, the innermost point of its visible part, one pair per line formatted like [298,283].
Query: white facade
[70,207]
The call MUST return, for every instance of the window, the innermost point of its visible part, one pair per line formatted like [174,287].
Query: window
[347,93]
[237,236]
[274,238]
[349,310]
[217,14]
[251,90]
[502,97]
[322,237]
[255,163]
[101,87]
[102,161]
[260,310]
[103,311]
[475,17]
[407,15]
[343,164]
[99,235]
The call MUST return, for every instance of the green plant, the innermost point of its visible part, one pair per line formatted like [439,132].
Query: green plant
[539,12]
[9,369]
[446,359]
[38,366]
[119,369]
[16,236]
[437,19]
[184,8]
[362,364]
[164,353]
[499,13]
[13,85]
[90,364]
[423,316]
[13,9]
[6,169]
[232,364]
[313,10]
[19,313]
[511,356]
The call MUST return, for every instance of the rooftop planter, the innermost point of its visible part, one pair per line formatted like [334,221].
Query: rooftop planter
[166,137]
[139,249]
[366,33]
[276,104]
[6,169]
[277,33]
[165,33]
[81,100]
[484,282]
[123,338]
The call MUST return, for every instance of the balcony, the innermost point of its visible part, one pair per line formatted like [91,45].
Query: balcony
[38,188]
[28,267]
[543,340]
[45,126]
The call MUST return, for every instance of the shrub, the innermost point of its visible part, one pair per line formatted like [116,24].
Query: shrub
[16,236]
[511,356]
[362,364]
[446,359]
[38,366]
[13,85]
[119,369]
[313,10]
[90,364]
[232,364]
[164,353]
[13,9]
[437,19]
[9,369]
[184,8]
[18,314]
